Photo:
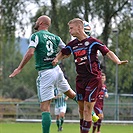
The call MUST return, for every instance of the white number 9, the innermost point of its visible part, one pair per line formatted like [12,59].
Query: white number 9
[49,46]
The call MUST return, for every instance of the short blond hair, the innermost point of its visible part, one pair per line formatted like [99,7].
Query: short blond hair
[76,21]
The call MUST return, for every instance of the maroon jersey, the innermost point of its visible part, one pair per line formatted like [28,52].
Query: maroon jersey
[100,99]
[85,56]
[88,81]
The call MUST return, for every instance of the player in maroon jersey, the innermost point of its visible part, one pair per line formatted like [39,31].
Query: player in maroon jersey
[88,80]
[98,107]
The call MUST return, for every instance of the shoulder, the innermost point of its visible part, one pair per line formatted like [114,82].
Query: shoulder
[95,40]
[34,35]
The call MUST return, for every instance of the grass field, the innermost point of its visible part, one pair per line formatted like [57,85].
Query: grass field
[13,127]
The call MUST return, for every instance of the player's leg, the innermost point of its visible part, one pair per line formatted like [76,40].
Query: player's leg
[57,112]
[81,109]
[62,116]
[45,90]
[99,122]
[64,86]
[88,107]
[91,91]
[46,117]
[71,94]
[97,111]
[94,127]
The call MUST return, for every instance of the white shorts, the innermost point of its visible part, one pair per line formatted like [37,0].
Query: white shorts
[60,110]
[48,80]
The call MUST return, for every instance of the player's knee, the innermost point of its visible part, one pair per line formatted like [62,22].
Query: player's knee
[70,93]
[87,112]
[44,108]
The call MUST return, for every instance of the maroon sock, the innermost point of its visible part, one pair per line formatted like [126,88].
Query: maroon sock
[94,127]
[99,124]
[81,122]
[86,126]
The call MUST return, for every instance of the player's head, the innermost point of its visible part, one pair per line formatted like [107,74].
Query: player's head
[87,27]
[75,27]
[43,22]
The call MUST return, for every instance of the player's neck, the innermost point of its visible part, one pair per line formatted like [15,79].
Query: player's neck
[82,37]
[43,28]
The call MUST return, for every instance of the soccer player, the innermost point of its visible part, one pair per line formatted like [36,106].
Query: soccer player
[44,45]
[98,107]
[60,108]
[88,81]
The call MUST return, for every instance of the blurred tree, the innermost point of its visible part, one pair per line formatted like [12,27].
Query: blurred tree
[124,52]
[11,14]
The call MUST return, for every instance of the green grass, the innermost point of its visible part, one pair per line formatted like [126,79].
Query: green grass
[67,128]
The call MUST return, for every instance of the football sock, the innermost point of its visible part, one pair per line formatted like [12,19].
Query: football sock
[94,127]
[62,121]
[81,123]
[58,123]
[99,124]
[86,126]
[46,122]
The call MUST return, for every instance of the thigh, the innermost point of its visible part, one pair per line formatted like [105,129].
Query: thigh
[45,85]
[61,82]
[92,89]
[45,106]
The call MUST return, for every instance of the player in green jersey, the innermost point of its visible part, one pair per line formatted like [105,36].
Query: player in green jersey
[44,46]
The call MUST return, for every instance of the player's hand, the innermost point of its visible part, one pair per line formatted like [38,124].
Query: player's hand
[15,72]
[55,62]
[123,62]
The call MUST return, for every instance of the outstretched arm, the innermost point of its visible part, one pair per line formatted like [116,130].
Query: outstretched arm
[26,58]
[115,59]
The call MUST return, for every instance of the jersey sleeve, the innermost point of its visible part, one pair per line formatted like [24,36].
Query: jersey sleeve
[102,48]
[61,44]
[67,50]
[33,41]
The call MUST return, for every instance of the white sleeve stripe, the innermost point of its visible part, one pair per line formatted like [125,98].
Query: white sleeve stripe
[61,44]
[34,43]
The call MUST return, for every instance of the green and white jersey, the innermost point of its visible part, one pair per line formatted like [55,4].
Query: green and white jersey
[60,101]
[46,47]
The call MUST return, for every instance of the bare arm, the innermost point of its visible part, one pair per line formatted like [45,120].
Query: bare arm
[26,58]
[59,57]
[115,59]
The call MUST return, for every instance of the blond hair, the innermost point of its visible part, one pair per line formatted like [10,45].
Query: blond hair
[76,21]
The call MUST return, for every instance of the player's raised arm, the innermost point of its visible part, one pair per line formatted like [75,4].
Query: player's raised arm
[115,59]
